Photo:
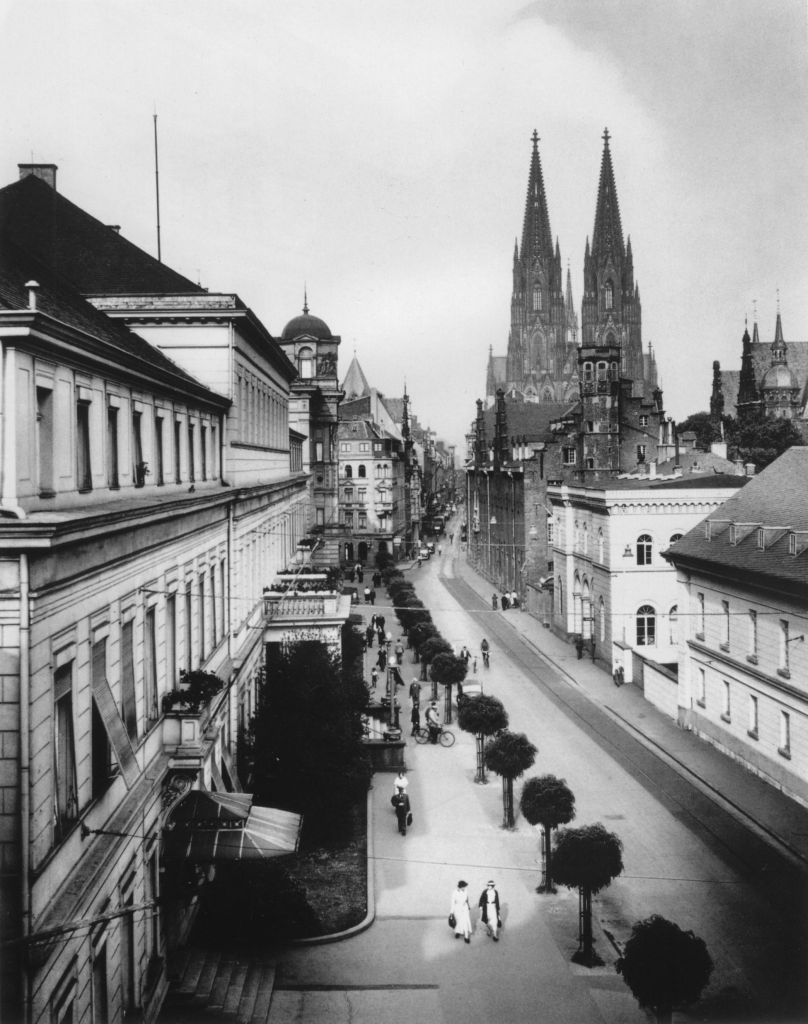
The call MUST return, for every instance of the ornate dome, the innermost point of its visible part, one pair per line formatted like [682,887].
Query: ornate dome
[306,324]
[779,376]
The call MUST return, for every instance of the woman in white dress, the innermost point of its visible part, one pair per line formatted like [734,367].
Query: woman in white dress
[460,909]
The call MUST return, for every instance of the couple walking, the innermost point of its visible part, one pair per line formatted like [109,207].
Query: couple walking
[460,914]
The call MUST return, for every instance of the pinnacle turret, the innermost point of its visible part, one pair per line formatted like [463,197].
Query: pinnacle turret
[537,238]
[607,236]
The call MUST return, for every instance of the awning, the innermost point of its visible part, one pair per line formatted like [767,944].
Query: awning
[240,832]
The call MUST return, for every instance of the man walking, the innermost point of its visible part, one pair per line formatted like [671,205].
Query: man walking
[489,906]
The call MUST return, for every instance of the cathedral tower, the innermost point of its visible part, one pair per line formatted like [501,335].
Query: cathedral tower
[611,313]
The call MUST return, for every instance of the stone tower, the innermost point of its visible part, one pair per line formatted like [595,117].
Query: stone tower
[611,313]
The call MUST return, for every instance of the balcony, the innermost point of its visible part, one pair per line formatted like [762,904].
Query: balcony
[308,595]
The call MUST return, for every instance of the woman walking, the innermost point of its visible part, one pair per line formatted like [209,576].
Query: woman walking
[460,911]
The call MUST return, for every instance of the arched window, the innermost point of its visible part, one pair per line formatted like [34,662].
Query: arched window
[305,362]
[588,371]
[644,545]
[361,471]
[673,625]
[600,545]
[614,371]
[349,472]
[675,537]
[602,370]
[646,626]
[536,296]
[608,294]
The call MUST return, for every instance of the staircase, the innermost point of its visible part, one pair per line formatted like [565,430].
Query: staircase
[218,985]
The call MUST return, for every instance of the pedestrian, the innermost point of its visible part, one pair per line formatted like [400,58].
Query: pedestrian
[377,579]
[400,782]
[399,651]
[360,575]
[415,692]
[465,654]
[433,722]
[495,602]
[367,595]
[474,665]
[403,815]
[438,548]
[372,596]
[381,661]
[374,677]
[489,905]
[459,913]
[514,599]
[579,646]
[451,537]
[380,621]
[486,651]
[369,636]
[415,719]
[419,561]
[506,602]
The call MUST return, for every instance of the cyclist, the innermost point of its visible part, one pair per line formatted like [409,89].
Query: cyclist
[485,651]
[433,722]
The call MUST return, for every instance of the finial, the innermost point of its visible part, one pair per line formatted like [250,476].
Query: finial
[535,137]
[778,301]
[606,137]
[754,311]
[305,300]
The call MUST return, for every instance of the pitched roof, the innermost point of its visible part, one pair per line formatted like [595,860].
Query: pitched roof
[355,384]
[776,501]
[526,419]
[93,257]
[56,298]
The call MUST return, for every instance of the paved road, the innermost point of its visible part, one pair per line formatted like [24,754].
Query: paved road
[685,857]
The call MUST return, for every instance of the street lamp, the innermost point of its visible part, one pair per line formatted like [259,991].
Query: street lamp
[391,692]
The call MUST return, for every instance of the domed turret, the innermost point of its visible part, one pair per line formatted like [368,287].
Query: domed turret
[307,326]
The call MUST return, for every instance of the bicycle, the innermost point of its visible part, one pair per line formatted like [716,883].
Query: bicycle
[486,657]
[446,738]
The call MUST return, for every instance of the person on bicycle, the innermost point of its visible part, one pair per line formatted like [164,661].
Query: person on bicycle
[433,722]
[484,647]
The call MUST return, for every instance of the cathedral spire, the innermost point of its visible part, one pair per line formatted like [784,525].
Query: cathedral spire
[537,238]
[779,344]
[607,236]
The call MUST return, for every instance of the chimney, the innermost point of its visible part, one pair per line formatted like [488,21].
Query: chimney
[750,468]
[47,172]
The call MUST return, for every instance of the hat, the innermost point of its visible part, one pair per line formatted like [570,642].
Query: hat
[491,883]
[461,884]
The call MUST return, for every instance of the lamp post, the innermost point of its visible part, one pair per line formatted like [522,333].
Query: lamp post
[391,692]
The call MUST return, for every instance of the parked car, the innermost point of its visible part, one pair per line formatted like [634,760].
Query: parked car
[471,688]
[424,552]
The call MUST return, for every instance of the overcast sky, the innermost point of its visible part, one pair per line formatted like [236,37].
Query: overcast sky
[378,152]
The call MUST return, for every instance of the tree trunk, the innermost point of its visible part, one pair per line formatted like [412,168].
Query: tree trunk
[447,712]
[547,863]
[586,924]
[664,1014]
[480,776]
[507,802]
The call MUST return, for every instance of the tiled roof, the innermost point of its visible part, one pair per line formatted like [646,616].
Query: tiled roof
[526,419]
[355,384]
[56,298]
[93,257]
[356,430]
[777,501]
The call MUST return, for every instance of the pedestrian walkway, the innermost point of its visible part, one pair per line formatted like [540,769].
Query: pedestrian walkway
[775,816]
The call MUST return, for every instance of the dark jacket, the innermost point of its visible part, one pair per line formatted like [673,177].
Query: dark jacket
[482,903]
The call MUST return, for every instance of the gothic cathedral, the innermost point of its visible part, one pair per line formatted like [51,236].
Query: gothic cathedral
[542,364]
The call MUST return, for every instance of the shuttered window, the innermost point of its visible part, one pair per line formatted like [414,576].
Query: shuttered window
[128,679]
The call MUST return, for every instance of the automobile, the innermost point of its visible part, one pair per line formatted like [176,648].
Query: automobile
[471,688]
[424,552]
[430,546]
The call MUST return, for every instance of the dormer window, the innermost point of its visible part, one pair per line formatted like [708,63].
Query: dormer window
[733,534]
[792,543]
[305,363]
[760,541]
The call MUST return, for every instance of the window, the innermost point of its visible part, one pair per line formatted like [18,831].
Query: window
[753,637]
[305,362]
[641,450]
[590,463]
[177,452]
[362,494]
[44,423]
[203,455]
[138,465]
[760,543]
[150,664]
[318,451]
[200,607]
[590,426]
[128,678]
[320,516]
[536,297]
[608,295]
[752,728]
[101,758]
[646,626]
[84,478]
[349,519]
[675,537]
[602,616]
[361,471]
[644,549]
[602,370]
[64,752]
[550,533]
[363,521]
[673,625]
[785,735]
[600,545]
[701,688]
[171,641]
[112,447]
[364,446]
[783,670]
[191,445]
[158,450]
[568,455]
[727,709]
[223,597]
[589,373]
[700,616]
[643,420]
[724,626]
[792,543]
[349,472]
[214,620]
[349,493]
[344,446]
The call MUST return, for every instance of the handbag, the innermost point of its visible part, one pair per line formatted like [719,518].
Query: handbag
[452,920]
[409,817]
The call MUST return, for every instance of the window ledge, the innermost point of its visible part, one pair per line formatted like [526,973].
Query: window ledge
[784,752]
[752,659]
[783,673]
[724,647]
[702,703]
[726,718]
[752,734]
[47,494]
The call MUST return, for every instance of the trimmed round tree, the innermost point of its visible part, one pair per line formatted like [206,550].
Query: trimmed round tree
[509,754]
[420,632]
[665,967]
[587,859]
[547,801]
[446,669]
[483,716]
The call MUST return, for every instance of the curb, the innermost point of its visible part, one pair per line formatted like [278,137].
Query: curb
[370,916]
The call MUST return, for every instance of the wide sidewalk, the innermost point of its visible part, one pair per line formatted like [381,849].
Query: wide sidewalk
[775,816]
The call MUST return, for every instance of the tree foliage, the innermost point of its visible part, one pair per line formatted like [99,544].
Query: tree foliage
[665,967]
[509,754]
[307,735]
[760,439]
[433,646]
[483,715]
[446,668]
[547,801]
[702,426]
[587,858]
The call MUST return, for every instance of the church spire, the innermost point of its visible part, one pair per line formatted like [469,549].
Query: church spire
[537,238]
[779,344]
[607,236]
